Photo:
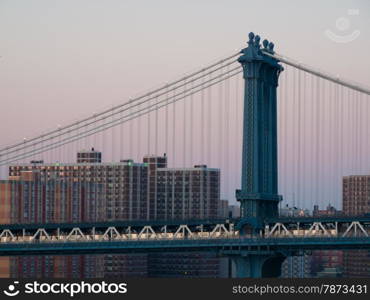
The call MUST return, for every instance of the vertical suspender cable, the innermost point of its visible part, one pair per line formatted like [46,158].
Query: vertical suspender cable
[339,126]
[330,139]
[294,137]
[202,122]
[121,138]
[358,133]
[304,120]
[131,128]
[350,136]
[166,151]
[221,145]
[103,142]
[317,140]
[237,146]
[166,124]
[59,149]
[112,130]
[227,134]
[139,137]
[312,143]
[337,102]
[174,133]
[94,141]
[184,130]
[148,130]
[299,99]
[191,125]
[279,132]
[184,154]
[367,129]
[85,139]
[156,127]
[209,125]
[335,148]
[284,140]
[61,153]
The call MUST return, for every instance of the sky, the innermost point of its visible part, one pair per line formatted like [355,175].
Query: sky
[63,60]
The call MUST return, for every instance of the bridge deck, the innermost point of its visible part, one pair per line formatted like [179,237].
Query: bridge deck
[221,245]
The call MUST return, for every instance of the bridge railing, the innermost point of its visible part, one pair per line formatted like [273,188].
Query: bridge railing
[325,228]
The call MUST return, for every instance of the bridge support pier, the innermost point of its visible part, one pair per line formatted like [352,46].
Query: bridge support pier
[257,266]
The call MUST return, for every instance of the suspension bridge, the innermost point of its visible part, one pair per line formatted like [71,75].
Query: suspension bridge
[216,117]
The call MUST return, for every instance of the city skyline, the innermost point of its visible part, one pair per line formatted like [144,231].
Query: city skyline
[231,169]
[86,76]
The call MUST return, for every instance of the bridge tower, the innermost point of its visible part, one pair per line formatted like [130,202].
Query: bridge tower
[258,195]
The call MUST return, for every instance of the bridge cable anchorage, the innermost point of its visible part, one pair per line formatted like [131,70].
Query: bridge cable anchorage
[352,85]
[107,125]
[191,77]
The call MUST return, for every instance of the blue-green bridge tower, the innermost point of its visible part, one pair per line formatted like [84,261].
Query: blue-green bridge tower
[258,196]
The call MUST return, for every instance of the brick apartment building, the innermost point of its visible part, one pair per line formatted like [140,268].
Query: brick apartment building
[356,201]
[127,191]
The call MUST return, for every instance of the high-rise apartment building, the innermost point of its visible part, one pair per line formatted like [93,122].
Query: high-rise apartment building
[182,193]
[124,183]
[188,193]
[136,191]
[31,198]
[356,201]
